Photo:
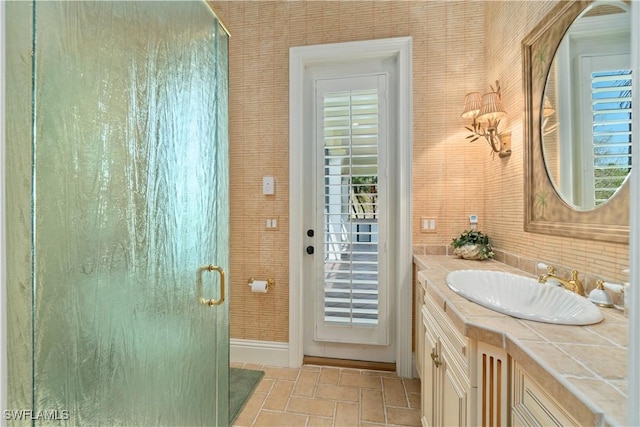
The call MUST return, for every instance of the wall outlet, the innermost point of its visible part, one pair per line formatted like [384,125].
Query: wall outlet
[268,185]
[427,225]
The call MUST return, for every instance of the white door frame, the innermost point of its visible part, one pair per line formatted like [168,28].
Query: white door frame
[299,59]
[633,362]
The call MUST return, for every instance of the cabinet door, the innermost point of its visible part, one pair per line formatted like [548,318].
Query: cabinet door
[445,386]
[429,380]
[529,400]
[419,328]
[454,391]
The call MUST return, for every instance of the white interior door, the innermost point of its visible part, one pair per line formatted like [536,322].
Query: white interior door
[347,311]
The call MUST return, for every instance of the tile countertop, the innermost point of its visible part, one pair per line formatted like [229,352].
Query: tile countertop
[583,367]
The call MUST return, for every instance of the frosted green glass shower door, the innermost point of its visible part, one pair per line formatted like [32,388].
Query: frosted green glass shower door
[130,203]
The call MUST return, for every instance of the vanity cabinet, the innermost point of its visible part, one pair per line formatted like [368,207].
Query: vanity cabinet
[447,394]
[468,382]
[482,368]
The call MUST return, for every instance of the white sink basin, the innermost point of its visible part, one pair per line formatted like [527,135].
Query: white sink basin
[523,297]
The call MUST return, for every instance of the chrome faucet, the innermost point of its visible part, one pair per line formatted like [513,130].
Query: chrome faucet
[574,284]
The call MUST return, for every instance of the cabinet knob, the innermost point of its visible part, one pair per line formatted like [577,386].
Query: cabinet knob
[436,360]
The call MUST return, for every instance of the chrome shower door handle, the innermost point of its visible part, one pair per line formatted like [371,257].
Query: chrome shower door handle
[203,300]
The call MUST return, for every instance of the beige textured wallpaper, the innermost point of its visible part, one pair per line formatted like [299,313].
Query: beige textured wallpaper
[458,47]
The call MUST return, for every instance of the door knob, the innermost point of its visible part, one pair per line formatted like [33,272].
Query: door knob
[310,233]
[310,250]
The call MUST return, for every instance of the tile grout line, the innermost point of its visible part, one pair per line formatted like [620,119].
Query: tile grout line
[255,418]
[338,385]
[266,399]
[295,383]
[406,393]
[359,406]
[384,401]
[335,408]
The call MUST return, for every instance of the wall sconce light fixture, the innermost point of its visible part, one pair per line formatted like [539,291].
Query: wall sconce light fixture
[486,111]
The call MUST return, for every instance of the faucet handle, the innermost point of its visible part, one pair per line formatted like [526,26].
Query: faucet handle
[550,269]
[613,287]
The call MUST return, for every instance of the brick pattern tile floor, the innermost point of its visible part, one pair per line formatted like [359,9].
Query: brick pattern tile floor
[327,396]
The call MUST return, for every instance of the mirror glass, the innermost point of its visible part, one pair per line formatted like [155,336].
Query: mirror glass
[586,109]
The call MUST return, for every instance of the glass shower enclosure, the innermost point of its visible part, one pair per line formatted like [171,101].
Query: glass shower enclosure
[117,213]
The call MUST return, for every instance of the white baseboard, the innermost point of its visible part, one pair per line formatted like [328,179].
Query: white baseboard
[269,353]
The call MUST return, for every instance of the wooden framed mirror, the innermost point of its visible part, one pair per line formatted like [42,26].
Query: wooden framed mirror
[576,168]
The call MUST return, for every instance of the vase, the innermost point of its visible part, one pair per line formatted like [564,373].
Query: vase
[469,251]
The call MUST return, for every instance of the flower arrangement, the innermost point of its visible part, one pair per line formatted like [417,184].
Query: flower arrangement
[473,244]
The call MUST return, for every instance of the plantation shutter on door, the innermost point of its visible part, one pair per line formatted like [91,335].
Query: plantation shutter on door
[353,290]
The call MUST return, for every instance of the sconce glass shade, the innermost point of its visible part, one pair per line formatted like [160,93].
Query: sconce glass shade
[491,107]
[472,104]
[547,108]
